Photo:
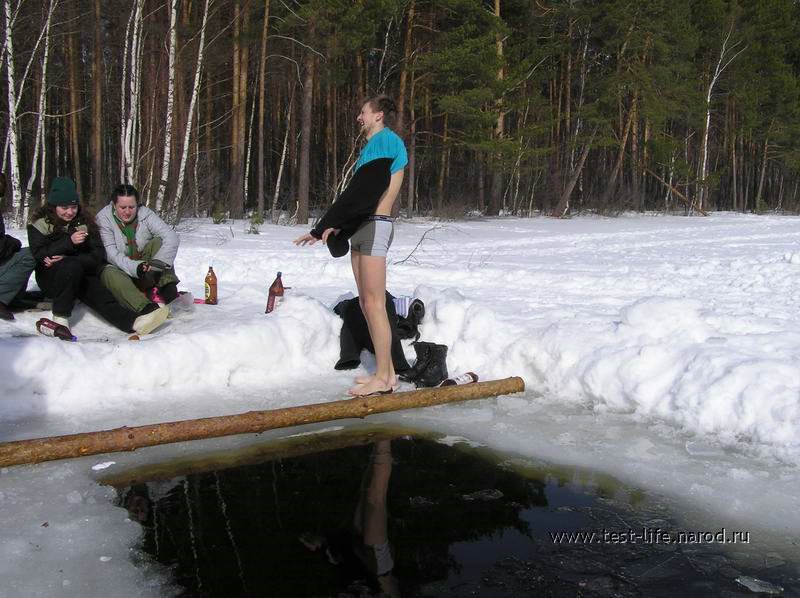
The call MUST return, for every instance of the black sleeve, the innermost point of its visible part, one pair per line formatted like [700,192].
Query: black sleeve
[93,255]
[8,245]
[43,246]
[359,199]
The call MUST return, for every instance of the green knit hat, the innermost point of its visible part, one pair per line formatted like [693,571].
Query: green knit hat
[62,192]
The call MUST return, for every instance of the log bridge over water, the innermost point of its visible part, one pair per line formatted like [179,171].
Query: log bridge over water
[131,438]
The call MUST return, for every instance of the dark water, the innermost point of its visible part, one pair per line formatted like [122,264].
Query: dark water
[412,517]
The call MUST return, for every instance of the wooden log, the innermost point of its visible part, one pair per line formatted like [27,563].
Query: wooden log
[129,439]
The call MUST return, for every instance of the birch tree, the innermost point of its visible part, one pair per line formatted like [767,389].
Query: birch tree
[278,178]
[727,54]
[97,110]
[23,81]
[130,92]
[40,116]
[309,67]
[198,72]
[16,192]
[173,41]
[262,108]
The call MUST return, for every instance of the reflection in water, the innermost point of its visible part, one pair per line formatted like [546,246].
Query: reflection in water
[363,550]
[137,501]
[410,517]
[320,524]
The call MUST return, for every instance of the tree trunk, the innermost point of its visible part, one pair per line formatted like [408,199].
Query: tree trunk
[723,62]
[241,128]
[123,96]
[276,197]
[128,439]
[211,162]
[411,194]
[74,98]
[97,113]
[442,169]
[759,194]
[562,208]
[235,187]
[635,161]
[262,107]
[481,182]
[41,106]
[304,173]
[137,129]
[495,195]
[16,191]
[198,70]
[401,97]
[248,153]
[166,156]
[335,138]
[612,180]
[404,69]
[734,176]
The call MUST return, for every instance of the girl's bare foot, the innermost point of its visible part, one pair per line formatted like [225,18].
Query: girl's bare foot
[369,378]
[373,386]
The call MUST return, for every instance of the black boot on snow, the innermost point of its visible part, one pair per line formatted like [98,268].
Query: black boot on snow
[436,369]
[423,351]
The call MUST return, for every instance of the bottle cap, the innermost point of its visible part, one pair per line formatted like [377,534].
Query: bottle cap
[279,274]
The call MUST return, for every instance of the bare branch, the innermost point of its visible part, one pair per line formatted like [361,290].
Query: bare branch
[425,234]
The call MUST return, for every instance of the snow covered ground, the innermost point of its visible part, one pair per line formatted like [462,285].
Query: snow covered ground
[664,351]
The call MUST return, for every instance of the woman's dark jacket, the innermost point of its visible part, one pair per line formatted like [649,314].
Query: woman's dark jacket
[45,240]
[8,245]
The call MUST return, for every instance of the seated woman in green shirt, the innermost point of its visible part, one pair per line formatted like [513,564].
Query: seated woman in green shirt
[141,249]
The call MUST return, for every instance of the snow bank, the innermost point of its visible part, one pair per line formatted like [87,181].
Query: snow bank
[666,359]
[687,321]
[100,375]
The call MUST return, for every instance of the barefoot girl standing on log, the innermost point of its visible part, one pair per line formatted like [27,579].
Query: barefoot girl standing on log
[362,214]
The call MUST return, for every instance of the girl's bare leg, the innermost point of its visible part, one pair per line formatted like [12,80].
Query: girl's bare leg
[371,281]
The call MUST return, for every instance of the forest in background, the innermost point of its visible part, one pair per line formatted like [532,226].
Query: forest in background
[236,108]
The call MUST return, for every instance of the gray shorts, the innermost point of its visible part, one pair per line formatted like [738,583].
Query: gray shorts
[374,237]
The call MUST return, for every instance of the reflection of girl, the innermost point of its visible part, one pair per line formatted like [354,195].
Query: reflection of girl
[69,255]
[364,551]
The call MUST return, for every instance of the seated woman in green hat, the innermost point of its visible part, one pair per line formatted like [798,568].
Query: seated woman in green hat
[65,242]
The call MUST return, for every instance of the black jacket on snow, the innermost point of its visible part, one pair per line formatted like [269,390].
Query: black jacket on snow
[359,199]
[355,335]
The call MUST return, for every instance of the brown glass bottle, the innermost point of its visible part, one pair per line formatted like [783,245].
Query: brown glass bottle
[211,287]
[49,328]
[275,293]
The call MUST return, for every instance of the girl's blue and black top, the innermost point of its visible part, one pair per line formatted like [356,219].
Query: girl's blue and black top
[382,156]
[384,144]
